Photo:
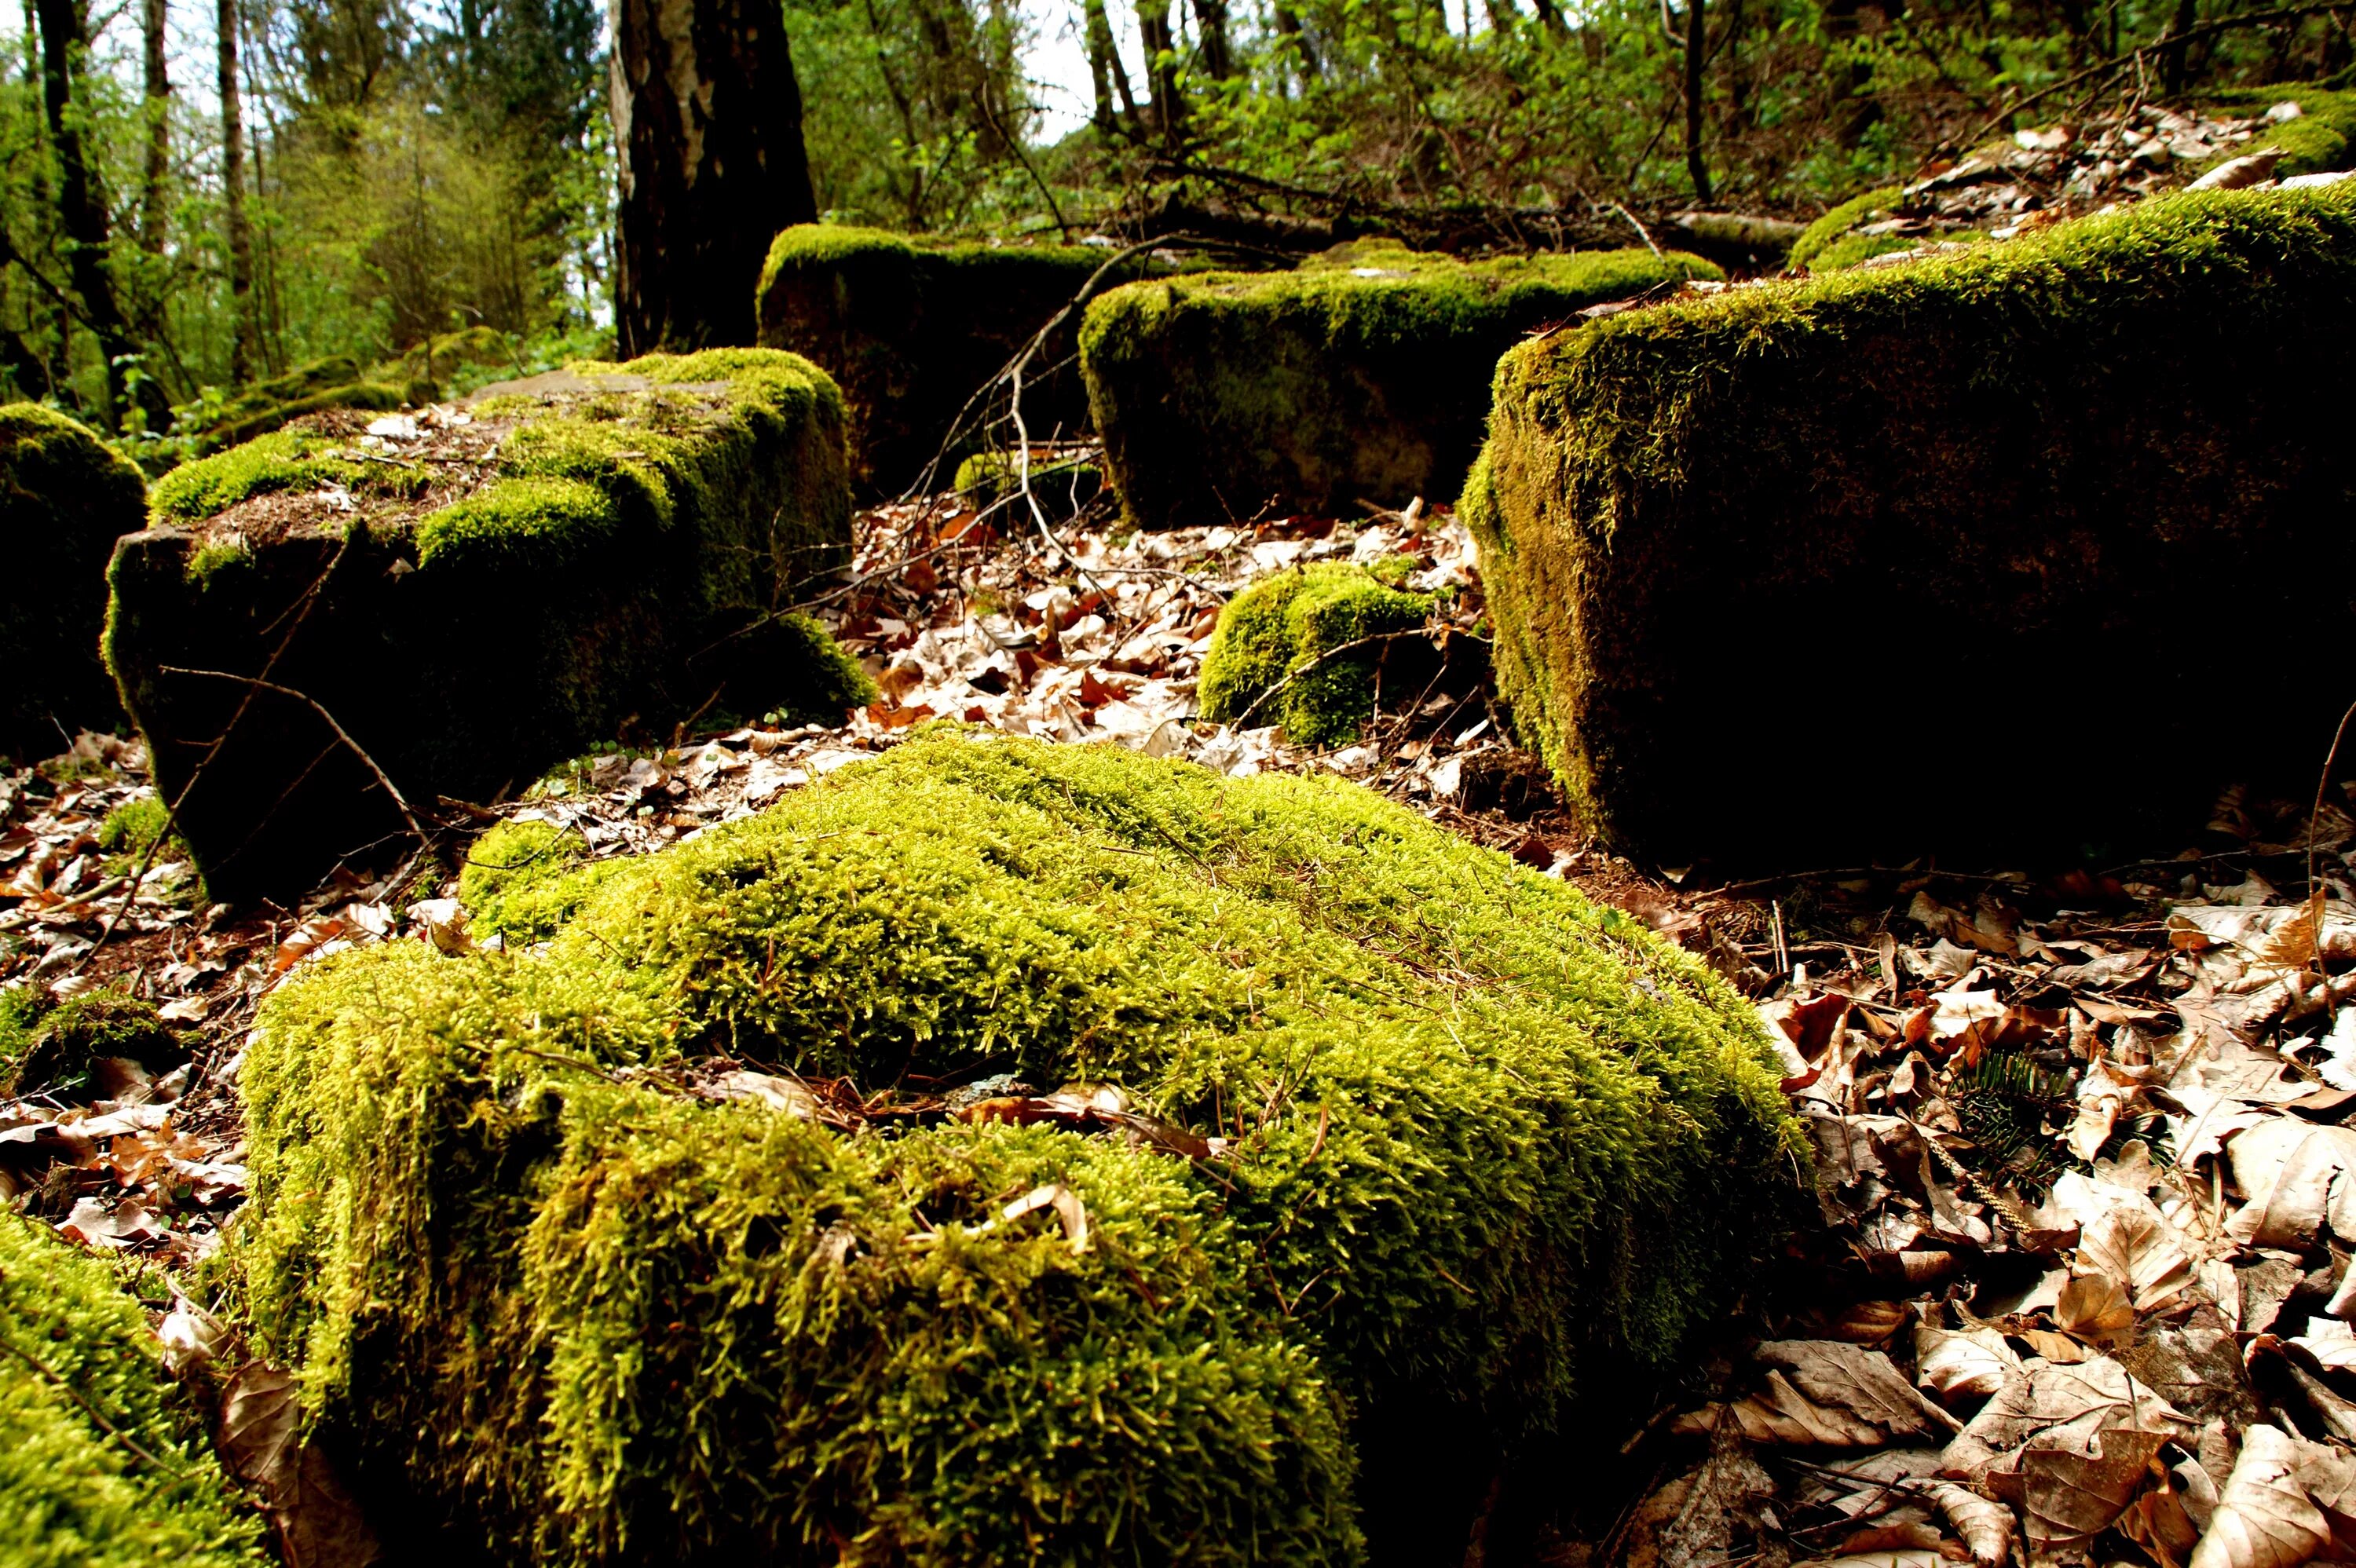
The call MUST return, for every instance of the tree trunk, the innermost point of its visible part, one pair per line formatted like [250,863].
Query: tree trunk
[159,130]
[2175,58]
[1696,56]
[1288,27]
[708,121]
[1105,70]
[1161,45]
[241,237]
[81,199]
[1211,23]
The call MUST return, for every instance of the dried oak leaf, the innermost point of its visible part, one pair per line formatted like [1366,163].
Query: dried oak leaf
[1864,1382]
[2264,1518]
[2133,1245]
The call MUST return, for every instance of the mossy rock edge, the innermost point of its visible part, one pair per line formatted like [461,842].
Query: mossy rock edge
[1277,657]
[1361,378]
[2054,459]
[637,519]
[64,499]
[1496,1148]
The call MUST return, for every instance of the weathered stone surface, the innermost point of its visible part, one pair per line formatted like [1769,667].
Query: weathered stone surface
[1485,1150]
[912,330]
[476,603]
[2085,485]
[64,500]
[1363,376]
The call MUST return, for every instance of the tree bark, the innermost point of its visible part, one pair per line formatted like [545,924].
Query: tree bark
[159,130]
[241,236]
[708,123]
[1288,27]
[1153,31]
[1211,24]
[81,199]
[1106,72]
[1696,56]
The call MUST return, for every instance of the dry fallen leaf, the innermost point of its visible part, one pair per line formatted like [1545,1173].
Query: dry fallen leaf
[2264,1518]
[1970,1364]
[261,1437]
[2133,1245]
[1780,1414]
[1864,1382]
[1064,1201]
[1986,1527]
[2095,1309]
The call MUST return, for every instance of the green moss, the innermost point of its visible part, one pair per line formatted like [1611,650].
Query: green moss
[516,880]
[1361,379]
[913,329]
[21,1007]
[2315,143]
[2016,450]
[64,499]
[335,382]
[1283,631]
[105,1463]
[70,1039]
[1838,224]
[623,534]
[1850,248]
[134,825]
[987,477]
[1479,1119]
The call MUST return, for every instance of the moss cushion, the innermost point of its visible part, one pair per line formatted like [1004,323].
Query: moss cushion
[913,329]
[65,497]
[1480,1136]
[1361,378]
[479,605]
[2006,503]
[1309,649]
[104,1462]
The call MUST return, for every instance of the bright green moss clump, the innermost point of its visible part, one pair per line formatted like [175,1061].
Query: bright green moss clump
[913,329]
[1839,225]
[1494,1145]
[64,498]
[2016,459]
[2314,142]
[1362,378]
[105,1463]
[1273,656]
[613,543]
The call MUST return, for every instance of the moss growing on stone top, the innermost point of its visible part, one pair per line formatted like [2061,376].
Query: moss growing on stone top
[2040,451]
[63,1049]
[1278,655]
[65,497]
[484,598]
[2315,141]
[1841,221]
[1361,378]
[1477,1123]
[105,1463]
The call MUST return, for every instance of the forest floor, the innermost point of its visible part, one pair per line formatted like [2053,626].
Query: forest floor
[2072,1293]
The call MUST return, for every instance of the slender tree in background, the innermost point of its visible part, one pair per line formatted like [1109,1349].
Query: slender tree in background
[241,238]
[159,129]
[1696,57]
[708,125]
[1160,43]
[81,199]
[1106,72]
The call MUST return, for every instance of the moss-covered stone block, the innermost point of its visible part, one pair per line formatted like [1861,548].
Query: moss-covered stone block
[2043,476]
[1310,649]
[64,499]
[105,1463]
[1363,376]
[1492,1144]
[912,329]
[335,382]
[600,548]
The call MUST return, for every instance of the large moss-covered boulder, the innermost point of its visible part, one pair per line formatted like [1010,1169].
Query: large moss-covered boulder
[65,497]
[913,329]
[1361,378]
[2009,501]
[476,603]
[1397,1150]
[104,1462]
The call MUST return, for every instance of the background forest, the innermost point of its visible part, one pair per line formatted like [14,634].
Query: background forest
[201,194]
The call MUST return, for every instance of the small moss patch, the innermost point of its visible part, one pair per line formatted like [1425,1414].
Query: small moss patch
[1477,1120]
[63,1048]
[1307,648]
[105,1463]
[1362,378]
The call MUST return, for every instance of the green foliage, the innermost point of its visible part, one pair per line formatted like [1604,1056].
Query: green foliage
[1478,1118]
[106,1465]
[64,499]
[1283,631]
[1364,377]
[1996,441]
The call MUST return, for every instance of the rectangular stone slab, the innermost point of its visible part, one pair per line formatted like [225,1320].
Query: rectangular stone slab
[473,602]
[64,500]
[912,330]
[2022,552]
[1363,376]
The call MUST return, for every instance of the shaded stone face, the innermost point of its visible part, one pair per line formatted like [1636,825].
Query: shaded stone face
[64,500]
[468,598]
[2066,470]
[1361,378]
